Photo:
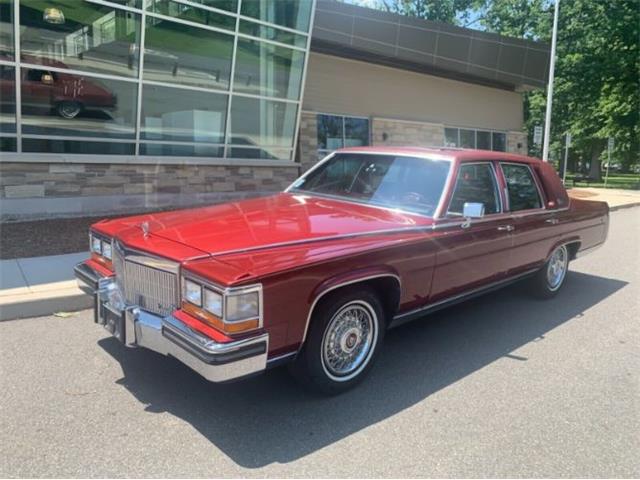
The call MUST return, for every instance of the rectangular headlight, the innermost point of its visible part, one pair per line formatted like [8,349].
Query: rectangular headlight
[242,307]
[106,249]
[192,292]
[96,245]
[213,302]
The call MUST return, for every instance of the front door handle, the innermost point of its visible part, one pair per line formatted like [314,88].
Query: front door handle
[506,228]
[552,221]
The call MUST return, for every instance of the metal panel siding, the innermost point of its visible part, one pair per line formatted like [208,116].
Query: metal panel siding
[341,86]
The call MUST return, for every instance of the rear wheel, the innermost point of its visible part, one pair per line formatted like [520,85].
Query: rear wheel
[68,109]
[549,279]
[344,338]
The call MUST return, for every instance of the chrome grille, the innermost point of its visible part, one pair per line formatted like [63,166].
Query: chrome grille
[147,287]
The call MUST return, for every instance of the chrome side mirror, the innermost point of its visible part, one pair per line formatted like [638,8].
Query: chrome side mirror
[471,210]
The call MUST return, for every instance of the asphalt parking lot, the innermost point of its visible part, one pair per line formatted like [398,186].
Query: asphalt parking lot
[502,386]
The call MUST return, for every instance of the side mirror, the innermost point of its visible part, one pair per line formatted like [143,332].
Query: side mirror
[473,210]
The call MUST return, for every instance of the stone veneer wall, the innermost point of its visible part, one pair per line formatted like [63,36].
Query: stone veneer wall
[406,133]
[308,141]
[63,188]
[515,138]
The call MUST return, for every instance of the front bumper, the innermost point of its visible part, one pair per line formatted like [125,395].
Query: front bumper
[217,362]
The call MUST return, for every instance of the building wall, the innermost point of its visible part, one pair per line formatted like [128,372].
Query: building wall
[385,131]
[337,85]
[35,190]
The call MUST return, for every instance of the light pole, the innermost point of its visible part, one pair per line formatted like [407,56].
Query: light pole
[547,117]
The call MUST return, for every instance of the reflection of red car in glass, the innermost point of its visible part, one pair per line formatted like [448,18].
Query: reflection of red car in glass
[66,94]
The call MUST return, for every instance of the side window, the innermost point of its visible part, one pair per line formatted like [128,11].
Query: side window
[521,187]
[475,183]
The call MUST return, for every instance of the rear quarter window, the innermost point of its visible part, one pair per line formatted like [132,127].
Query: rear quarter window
[522,190]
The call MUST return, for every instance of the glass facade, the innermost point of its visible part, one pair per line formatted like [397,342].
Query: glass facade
[480,139]
[204,78]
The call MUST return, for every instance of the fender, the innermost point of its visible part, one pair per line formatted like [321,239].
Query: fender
[564,241]
[342,280]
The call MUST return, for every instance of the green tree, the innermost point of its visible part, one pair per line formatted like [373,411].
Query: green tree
[597,83]
[449,11]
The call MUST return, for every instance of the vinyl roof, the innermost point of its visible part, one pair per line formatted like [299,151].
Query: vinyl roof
[425,46]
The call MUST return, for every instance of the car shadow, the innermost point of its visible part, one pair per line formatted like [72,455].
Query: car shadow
[269,418]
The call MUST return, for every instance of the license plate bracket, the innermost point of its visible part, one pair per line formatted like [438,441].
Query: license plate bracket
[114,321]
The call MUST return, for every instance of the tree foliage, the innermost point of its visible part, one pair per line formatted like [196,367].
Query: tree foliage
[449,11]
[597,77]
[597,70]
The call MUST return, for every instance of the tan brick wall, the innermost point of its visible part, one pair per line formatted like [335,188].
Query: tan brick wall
[29,180]
[407,133]
[308,141]
[515,138]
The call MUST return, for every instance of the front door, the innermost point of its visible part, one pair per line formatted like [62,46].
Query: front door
[472,254]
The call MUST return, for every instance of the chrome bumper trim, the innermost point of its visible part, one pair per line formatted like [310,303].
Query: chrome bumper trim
[217,362]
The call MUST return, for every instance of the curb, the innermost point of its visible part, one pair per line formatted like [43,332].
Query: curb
[55,297]
[626,205]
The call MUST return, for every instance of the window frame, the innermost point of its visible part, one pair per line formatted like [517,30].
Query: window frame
[475,136]
[536,181]
[326,151]
[496,183]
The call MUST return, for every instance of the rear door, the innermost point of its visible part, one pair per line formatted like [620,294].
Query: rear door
[535,227]
[475,254]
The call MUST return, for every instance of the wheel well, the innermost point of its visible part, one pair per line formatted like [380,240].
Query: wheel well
[573,249]
[387,289]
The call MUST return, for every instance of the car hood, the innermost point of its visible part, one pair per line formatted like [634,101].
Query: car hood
[260,223]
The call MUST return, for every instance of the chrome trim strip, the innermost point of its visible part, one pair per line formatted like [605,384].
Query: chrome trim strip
[324,239]
[461,296]
[340,285]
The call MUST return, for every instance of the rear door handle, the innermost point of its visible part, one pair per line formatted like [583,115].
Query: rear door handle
[506,228]
[552,221]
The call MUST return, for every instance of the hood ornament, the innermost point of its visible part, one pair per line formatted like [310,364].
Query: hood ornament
[145,229]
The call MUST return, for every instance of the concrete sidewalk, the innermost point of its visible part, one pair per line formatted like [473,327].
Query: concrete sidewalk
[31,287]
[38,286]
[616,198]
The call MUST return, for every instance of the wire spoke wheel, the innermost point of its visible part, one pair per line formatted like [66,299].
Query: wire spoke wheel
[348,340]
[557,267]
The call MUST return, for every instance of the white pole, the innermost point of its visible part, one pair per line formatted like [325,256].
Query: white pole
[606,176]
[547,118]
[566,155]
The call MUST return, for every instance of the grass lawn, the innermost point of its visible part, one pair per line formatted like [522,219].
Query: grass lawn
[625,181]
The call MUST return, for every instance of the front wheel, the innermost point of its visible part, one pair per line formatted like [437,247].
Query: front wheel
[549,279]
[345,335]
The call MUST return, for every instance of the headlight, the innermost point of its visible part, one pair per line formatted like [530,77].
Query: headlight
[96,245]
[242,307]
[106,250]
[192,292]
[213,302]
[231,310]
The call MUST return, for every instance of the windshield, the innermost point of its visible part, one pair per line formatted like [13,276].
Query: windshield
[408,183]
